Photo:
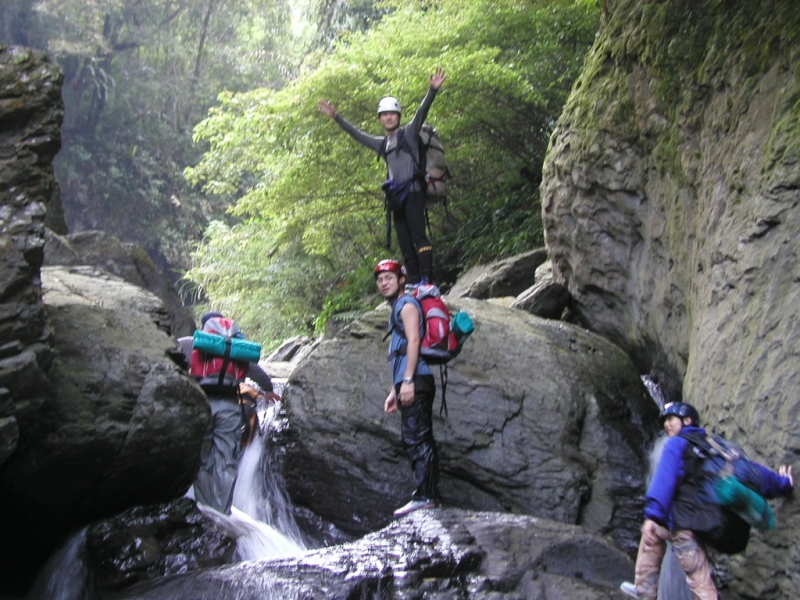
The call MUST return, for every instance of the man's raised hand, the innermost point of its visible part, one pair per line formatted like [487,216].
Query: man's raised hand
[437,79]
[326,108]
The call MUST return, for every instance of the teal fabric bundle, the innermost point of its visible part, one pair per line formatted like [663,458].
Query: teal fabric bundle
[462,325]
[215,345]
[746,503]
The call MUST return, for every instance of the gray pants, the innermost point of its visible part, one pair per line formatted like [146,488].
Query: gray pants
[219,456]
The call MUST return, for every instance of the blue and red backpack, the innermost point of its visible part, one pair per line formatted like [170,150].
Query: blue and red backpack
[444,334]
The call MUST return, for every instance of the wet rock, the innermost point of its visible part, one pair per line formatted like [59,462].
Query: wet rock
[31,112]
[127,261]
[508,277]
[122,426]
[670,206]
[293,350]
[9,436]
[544,419]
[436,554]
[148,542]
[546,299]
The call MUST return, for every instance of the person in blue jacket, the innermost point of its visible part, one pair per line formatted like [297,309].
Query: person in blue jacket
[676,511]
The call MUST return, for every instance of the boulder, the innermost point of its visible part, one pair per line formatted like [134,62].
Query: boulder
[122,426]
[546,298]
[545,419]
[508,277]
[293,350]
[140,544]
[31,113]
[124,260]
[436,554]
[148,542]
[671,213]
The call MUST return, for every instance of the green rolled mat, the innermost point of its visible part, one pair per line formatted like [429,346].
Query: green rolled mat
[747,503]
[213,344]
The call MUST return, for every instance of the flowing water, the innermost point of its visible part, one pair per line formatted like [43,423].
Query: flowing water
[261,519]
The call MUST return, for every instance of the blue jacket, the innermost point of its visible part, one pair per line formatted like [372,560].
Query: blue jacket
[670,472]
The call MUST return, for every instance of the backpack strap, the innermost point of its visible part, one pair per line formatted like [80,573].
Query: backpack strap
[403,146]
[443,379]
[225,361]
[388,243]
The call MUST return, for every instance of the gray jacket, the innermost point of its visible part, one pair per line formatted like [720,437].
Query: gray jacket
[401,164]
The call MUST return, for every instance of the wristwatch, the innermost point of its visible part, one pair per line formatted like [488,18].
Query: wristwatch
[408,380]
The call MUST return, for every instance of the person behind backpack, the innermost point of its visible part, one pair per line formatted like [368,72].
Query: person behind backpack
[222,443]
[405,188]
[673,511]
[413,386]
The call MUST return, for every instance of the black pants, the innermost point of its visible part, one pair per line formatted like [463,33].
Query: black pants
[409,223]
[417,436]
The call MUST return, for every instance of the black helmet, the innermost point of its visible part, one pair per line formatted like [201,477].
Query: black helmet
[681,410]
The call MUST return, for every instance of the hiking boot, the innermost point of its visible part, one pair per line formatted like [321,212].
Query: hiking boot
[415,505]
[629,589]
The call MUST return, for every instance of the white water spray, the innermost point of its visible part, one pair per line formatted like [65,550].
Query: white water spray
[260,503]
[64,577]
[261,521]
[655,391]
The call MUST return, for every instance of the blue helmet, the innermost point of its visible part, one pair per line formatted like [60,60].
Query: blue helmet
[681,410]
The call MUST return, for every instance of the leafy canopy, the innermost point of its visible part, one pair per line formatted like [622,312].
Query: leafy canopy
[309,195]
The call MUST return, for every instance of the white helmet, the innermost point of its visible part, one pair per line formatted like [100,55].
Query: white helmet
[389,104]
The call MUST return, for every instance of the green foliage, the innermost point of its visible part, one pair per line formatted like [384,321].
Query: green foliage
[510,66]
[353,295]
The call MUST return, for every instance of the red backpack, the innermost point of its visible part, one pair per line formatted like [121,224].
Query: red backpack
[439,344]
[444,335]
[218,373]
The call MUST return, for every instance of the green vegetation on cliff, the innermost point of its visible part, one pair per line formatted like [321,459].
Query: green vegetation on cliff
[687,50]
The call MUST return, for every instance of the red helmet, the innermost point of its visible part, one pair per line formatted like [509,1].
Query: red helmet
[390,264]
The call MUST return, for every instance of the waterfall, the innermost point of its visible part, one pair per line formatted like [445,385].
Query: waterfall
[655,391]
[260,503]
[65,576]
[261,521]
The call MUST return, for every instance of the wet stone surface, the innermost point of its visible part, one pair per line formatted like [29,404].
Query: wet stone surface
[443,553]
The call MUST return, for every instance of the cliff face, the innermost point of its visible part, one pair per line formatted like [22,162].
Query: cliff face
[670,200]
[31,112]
[95,414]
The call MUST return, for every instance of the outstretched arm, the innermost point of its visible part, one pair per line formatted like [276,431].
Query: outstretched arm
[414,126]
[776,484]
[372,142]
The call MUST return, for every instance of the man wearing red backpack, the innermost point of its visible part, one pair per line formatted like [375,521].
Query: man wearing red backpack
[413,385]
[222,443]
